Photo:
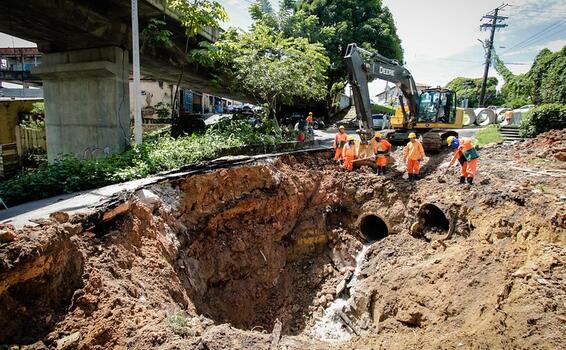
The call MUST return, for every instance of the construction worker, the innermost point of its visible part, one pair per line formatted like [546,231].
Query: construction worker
[339,141]
[381,149]
[467,156]
[349,153]
[413,155]
[310,124]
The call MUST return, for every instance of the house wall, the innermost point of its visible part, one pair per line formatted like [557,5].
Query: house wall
[152,93]
[9,118]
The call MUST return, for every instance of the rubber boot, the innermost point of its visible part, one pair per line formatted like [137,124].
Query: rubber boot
[415,177]
[378,170]
[470,180]
[411,177]
[383,170]
[462,180]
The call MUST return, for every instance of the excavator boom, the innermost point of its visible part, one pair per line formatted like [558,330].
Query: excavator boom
[365,66]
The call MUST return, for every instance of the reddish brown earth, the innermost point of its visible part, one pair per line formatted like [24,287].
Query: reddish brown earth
[211,261]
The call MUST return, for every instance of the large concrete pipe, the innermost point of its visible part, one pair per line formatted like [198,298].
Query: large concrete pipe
[373,227]
[484,116]
[469,116]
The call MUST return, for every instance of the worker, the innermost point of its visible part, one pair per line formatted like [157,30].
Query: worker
[381,149]
[310,124]
[339,141]
[349,153]
[413,154]
[465,153]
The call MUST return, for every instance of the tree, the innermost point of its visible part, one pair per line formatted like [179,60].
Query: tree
[469,88]
[365,22]
[266,65]
[544,83]
[516,91]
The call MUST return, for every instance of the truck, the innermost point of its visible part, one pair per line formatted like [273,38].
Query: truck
[431,114]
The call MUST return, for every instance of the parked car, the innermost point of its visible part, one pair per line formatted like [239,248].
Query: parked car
[380,121]
[292,119]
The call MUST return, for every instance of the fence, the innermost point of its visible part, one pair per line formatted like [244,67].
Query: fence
[27,139]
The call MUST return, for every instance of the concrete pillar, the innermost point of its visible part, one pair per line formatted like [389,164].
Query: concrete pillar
[86,102]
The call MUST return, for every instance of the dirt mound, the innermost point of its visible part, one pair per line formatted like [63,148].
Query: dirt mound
[549,145]
[218,260]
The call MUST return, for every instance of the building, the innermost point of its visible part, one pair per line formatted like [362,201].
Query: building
[16,64]
[390,96]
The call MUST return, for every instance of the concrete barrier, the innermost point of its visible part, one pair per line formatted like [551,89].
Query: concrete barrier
[500,114]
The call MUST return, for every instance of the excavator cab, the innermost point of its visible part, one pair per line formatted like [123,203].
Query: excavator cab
[437,106]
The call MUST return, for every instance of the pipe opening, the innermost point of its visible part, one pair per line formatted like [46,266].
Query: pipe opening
[373,228]
[433,218]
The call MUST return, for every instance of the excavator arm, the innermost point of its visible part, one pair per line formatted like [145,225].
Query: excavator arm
[365,66]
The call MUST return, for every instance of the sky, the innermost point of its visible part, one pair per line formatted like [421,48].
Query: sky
[440,37]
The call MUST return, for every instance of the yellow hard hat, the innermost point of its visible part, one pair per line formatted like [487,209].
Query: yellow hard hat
[341,127]
[351,138]
[449,140]
[377,135]
[412,135]
[310,113]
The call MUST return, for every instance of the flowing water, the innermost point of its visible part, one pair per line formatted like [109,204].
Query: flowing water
[331,326]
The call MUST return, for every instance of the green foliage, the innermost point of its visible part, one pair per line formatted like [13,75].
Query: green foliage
[38,108]
[470,88]
[489,134]
[264,64]
[544,83]
[195,15]
[155,35]
[32,123]
[157,153]
[543,118]
[163,110]
[382,109]
[365,22]
[178,322]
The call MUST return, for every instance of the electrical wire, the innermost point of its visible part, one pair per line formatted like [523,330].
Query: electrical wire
[536,36]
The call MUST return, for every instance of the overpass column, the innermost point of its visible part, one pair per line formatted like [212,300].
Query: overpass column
[87,103]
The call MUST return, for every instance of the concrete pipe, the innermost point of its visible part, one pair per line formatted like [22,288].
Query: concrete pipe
[500,114]
[484,116]
[373,227]
[469,116]
[434,219]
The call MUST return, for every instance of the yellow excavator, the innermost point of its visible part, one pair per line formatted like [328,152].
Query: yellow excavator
[432,114]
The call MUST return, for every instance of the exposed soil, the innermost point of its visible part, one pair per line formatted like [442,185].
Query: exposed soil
[217,260]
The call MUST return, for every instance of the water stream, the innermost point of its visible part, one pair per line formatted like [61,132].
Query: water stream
[331,326]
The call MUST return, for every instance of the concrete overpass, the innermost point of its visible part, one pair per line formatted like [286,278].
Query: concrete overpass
[85,66]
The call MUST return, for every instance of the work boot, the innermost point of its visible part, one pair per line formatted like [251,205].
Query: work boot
[415,177]
[383,170]
[462,180]
[470,180]
[411,178]
[378,170]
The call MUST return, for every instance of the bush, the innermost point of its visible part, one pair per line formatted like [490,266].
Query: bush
[157,153]
[543,118]
[375,109]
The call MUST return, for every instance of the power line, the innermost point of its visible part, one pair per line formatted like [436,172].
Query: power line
[535,36]
[495,22]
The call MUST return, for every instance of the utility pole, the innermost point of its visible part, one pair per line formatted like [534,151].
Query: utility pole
[493,25]
[136,64]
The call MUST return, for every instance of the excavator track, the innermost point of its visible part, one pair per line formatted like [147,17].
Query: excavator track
[434,140]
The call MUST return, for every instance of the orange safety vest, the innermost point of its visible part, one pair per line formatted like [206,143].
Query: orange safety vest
[340,137]
[381,147]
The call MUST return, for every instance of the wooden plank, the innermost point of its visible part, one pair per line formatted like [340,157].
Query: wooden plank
[18,132]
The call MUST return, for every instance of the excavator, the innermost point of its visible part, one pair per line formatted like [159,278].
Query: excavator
[432,114]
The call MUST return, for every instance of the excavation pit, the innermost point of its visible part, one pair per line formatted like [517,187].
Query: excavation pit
[373,228]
